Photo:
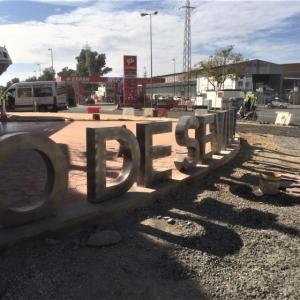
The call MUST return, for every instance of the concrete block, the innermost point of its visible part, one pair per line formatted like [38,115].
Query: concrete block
[200,111]
[129,111]
[283,118]
[108,107]
[148,112]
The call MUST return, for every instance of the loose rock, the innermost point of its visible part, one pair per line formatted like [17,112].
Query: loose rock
[3,286]
[104,238]
[171,221]
[51,242]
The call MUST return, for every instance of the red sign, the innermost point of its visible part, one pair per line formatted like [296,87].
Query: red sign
[130,80]
[130,65]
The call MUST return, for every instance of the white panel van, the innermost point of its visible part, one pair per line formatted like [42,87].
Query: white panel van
[37,96]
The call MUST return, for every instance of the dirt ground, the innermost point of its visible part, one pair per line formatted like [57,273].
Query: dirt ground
[225,243]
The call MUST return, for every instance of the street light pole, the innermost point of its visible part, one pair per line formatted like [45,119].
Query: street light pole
[174,76]
[40,69]
[50,49]
[151,61]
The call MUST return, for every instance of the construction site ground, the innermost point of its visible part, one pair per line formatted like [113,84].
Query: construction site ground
[224,242]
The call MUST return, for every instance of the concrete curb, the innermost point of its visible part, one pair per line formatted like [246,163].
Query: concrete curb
[84,213]
[82,117]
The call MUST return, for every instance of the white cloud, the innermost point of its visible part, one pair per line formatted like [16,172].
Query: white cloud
[117,32]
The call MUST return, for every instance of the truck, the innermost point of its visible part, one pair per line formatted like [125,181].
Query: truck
[37,96]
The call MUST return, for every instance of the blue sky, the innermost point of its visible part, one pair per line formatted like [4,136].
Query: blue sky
[21,11]
[268,30]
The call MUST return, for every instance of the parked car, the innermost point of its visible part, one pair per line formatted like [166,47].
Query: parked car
[176,98]
[166,103]
[162,98]
[277,104]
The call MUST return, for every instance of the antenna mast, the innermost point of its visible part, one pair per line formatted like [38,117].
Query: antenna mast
[187,44]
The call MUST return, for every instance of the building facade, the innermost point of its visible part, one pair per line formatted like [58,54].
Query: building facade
[268,79]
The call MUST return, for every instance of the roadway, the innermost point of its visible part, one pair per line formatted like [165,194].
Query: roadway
[265,115]
[46,127]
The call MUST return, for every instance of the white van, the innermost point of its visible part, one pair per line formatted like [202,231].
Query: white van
[37,96]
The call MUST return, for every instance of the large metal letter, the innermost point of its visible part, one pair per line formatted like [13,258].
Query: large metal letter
[206,135]
[144,132]
[57,177]
[97,190]
[186,163]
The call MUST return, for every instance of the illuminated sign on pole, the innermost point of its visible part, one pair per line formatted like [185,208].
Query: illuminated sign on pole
[130,81]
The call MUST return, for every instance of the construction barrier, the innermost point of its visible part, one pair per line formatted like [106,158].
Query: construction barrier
[93,110]
[148,112]
[128,111]
[162,112]
[283,118]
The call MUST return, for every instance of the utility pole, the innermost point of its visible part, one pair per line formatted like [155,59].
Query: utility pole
[52,68]
[151,60]
[187,44]
[40,69]
[145,87]
[174,61]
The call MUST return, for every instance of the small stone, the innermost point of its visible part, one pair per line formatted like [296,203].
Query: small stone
[104,238]
[166,218]
[51,242]
[171,221]
[189,223]
[159,217]
[3,286]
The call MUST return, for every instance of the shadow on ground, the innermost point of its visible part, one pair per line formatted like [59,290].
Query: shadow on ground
[156,259]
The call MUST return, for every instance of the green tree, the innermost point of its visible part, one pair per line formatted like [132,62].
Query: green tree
[31,79]
[67,72]
[12,81]
[224,64]
[90,63]
[48,75]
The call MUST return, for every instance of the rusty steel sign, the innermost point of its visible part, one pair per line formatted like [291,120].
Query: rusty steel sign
[216,129]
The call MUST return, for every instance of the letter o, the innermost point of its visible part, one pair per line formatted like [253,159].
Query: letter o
[57,177]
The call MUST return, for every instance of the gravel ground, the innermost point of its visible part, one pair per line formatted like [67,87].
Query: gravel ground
[222,241]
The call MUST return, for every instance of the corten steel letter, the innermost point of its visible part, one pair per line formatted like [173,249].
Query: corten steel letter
[234,121]
[226,128]
[57,177]
[97,190]
[216,145]
[205,137]
[190,161]
[221,129]
[144,133]
[231,125]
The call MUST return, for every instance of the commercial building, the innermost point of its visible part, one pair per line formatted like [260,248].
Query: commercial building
[267,78]
[175,85]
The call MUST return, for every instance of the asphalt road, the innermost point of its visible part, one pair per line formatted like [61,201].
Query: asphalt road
[264,115]
[47,128]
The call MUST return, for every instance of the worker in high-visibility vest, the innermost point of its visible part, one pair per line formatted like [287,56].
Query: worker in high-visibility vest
[247,101]
[254,100]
